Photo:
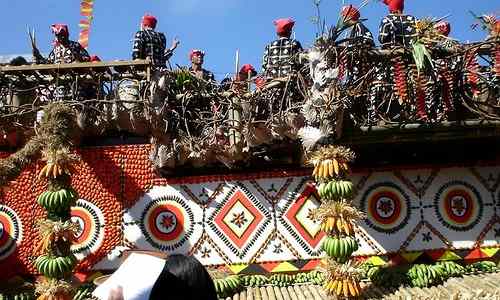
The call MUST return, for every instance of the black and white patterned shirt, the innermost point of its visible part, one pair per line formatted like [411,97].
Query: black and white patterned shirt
[280,57]
[362,34]
[152,44]
[397,30]
[66,54]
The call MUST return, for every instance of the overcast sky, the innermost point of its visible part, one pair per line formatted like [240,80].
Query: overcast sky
[217,26]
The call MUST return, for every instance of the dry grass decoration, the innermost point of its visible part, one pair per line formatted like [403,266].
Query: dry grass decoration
[53,143]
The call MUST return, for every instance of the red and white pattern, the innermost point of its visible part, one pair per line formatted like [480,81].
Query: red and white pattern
[261,217]
[91,233]
[10,231]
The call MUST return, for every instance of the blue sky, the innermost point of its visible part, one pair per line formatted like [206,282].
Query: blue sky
[217,26]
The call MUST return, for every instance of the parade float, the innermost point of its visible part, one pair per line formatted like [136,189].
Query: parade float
[304,179]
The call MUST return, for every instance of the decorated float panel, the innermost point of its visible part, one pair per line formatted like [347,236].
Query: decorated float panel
[255,222]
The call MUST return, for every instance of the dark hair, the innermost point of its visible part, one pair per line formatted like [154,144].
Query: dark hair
[18,61]
[183,278]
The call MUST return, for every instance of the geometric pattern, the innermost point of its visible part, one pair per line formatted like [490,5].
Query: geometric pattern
[458,205]
[10,231]
[260,221]
[91,228]
[294,219]
[167,223]
[387,207]
[299,215]
[239,220]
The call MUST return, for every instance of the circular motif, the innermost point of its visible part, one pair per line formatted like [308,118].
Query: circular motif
[10,231]
[458,205]
[91,233]
[167,223]
[387,207]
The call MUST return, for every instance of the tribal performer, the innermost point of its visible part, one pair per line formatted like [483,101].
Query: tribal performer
[389,91]
[281,56]
[152,44]
[397,29]
[65,50]
[359,32]
[197,58]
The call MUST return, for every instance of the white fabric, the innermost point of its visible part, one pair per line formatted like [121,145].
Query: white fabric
[136,276]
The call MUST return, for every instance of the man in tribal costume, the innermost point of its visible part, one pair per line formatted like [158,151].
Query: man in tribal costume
[281,56]
[64,51]
[151,44]
[386,98]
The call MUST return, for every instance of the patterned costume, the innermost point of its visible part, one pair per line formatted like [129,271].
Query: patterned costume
[69,53]
[65,51]
[359,32]
[397,29]
[281,56]
[152,44]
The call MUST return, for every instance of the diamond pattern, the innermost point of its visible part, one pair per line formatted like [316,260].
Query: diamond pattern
[239,220]
[264,217]
[298,216]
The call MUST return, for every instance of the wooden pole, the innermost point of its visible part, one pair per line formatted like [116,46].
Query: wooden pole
[235,132]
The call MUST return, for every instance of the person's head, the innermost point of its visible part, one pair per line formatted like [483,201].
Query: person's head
[443,27]
[350,14]
[148,22]
[18,61]
[395,6]
[183,278]
[61,32]
[196,57]
[284,27]
[246,71]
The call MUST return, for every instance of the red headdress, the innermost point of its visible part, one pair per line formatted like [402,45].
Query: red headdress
[58,29]
[395,5]
[284,26]
[350,12]
[245,69]
[94,58]
[443,27]
[196,52]
[149,21]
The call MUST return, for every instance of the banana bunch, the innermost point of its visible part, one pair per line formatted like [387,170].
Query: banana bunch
[281,280]
[329,168]
[58,200]
[452,268]
[374,272]
[19,296]
[227,286]
[83,293]
[337,224]
[387,277]
[426,275]
[55,266]
[365,268]
[315,277]
[255,280]
[340,248]
[335,189]
[346,287]
[482,266]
